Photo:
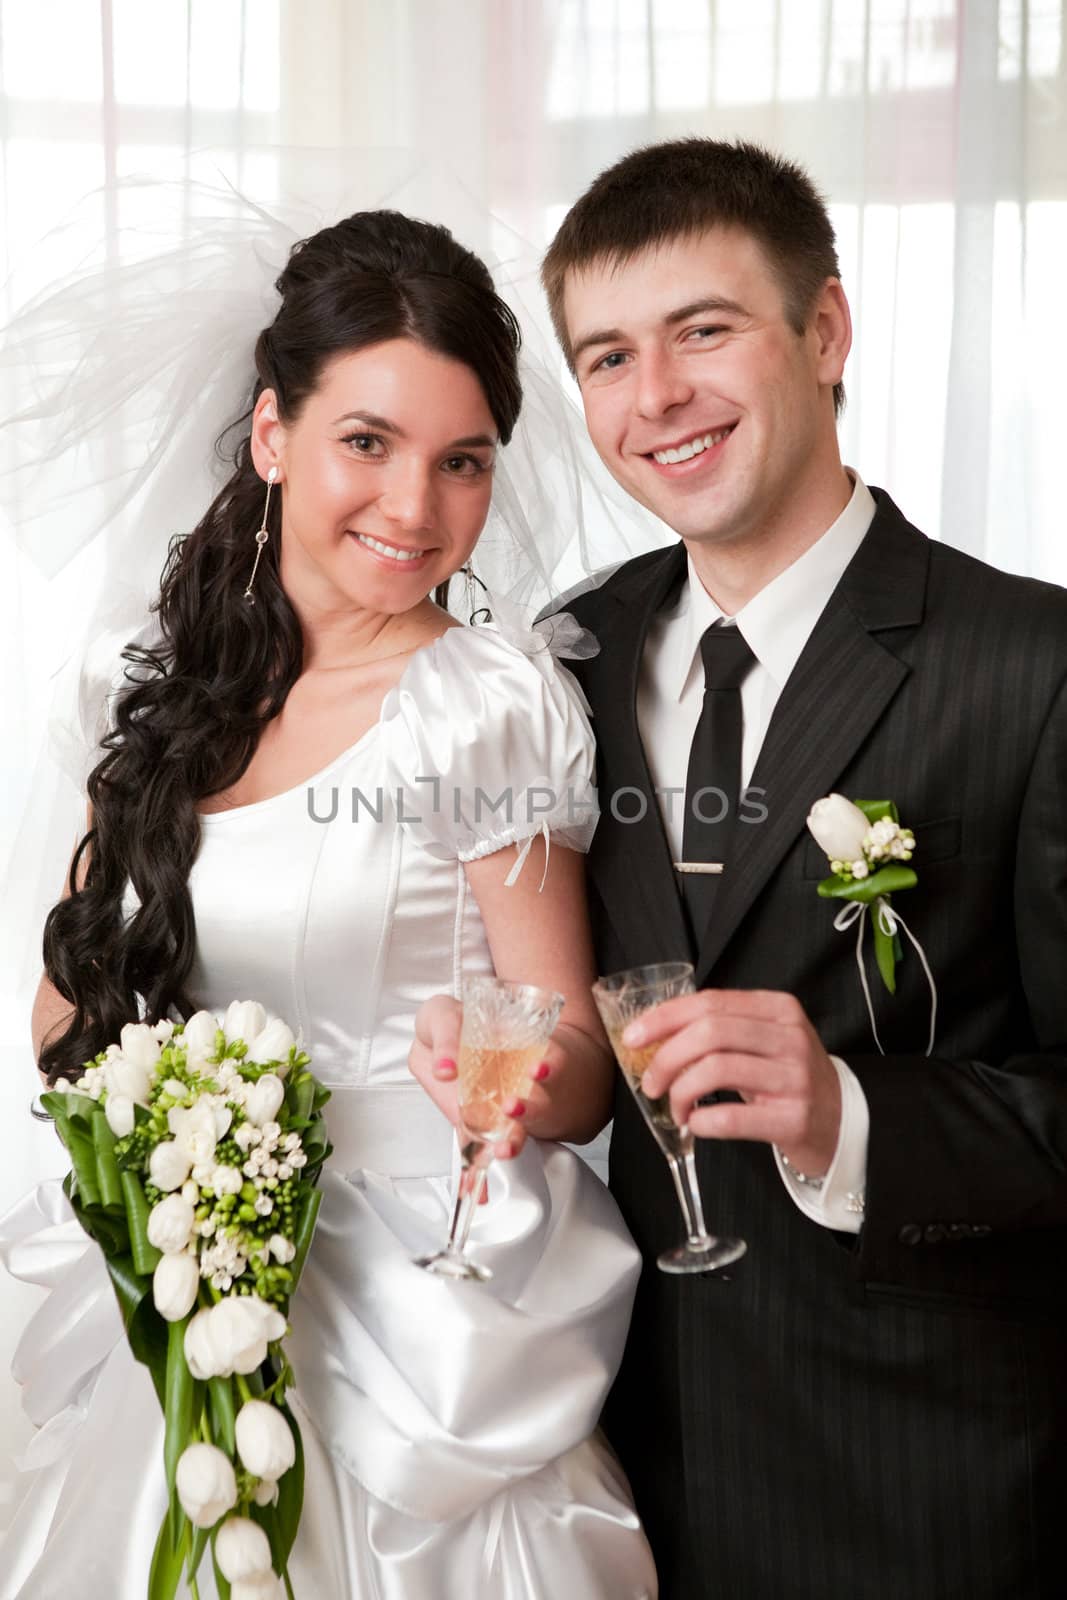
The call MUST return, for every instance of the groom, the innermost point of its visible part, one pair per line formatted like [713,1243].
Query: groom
[872,1405]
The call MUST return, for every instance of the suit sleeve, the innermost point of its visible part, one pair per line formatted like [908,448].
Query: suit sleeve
[967,1160]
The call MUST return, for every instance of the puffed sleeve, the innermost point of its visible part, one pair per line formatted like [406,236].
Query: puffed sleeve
[488,744]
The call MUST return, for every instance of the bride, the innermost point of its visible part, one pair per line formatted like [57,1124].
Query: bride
[299,801]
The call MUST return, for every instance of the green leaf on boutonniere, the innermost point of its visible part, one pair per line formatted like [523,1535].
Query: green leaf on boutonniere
[882,882]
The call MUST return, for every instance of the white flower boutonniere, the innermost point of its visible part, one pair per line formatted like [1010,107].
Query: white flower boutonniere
[869,850]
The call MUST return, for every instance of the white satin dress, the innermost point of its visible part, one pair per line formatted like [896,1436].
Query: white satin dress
[448,1427]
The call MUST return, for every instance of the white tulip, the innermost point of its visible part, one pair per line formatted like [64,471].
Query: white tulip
[139,1044]
[243,1325]
[264,1587]
[163,1030]
[200,1031]
[242,1549]
[170,1222]
[118,1109]
[131,1078]
[838,827]
[195,1131]
[231,1336]
[273,1044]
[174,1285]
[201,1356]
[168,1166]
[245,1019]
[264,1099]
[265,1493]
[206,1484]
[264,1440]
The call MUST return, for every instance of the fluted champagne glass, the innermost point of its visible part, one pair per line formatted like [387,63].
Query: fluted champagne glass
[506,1027]
[621,998]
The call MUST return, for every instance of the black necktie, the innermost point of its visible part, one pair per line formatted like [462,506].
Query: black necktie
[713,778]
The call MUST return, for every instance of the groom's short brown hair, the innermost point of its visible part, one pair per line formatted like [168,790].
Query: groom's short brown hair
[669,191]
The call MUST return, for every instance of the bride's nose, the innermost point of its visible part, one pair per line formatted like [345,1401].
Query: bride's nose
[407,498]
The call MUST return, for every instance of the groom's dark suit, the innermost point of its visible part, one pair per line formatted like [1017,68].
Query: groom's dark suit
[881,1417]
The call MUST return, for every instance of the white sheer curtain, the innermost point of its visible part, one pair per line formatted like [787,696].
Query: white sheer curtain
[937,129]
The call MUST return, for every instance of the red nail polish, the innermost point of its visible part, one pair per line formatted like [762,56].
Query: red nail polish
[445,1065]
[517,1108]
[542,1072]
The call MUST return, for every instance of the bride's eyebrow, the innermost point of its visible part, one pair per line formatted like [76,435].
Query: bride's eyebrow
[371,419]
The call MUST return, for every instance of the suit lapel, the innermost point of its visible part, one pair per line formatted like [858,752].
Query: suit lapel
[840,687]
[630,862]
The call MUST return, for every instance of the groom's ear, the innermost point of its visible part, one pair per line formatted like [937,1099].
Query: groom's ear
[831,325]
[268,435]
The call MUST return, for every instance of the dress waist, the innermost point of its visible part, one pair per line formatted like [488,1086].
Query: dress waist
[394,1129]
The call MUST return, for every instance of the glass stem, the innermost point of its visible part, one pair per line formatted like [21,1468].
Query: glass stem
[468,1193]
[684,1173]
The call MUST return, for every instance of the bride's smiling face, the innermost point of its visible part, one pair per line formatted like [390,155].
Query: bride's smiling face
[386,475]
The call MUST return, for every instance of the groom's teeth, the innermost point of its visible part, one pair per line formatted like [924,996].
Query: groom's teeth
[694,447]
[387,550]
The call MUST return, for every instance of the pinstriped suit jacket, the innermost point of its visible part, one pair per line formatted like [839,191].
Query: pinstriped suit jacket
[881,1417]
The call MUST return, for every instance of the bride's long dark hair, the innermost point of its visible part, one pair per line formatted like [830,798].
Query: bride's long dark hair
[194,705]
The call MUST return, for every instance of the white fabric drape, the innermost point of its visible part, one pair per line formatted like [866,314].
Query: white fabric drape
[937,129]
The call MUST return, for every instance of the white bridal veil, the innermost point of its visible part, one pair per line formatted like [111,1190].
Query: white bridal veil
[118,379]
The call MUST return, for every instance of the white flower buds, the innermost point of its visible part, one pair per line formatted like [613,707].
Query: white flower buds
[174,1286]
[838,827]
[170,1223]
[242,1549]
[264,1440]
[264,1100]
[206,1484]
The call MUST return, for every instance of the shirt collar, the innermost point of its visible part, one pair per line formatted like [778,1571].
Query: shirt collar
[776,622]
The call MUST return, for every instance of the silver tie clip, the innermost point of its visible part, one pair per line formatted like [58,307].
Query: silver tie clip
[713,867]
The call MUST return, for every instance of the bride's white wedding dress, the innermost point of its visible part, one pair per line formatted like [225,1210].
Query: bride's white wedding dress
[448,1427]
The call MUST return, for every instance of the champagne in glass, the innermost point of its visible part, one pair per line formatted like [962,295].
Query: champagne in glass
[621,999]
[506,1027]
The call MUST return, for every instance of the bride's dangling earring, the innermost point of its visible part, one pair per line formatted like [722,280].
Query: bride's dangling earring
[262,536]
[475,614]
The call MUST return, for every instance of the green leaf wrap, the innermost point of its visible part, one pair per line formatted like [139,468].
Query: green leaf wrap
[145,1255]
[167,1562]
[305,1227]
[107,1168]
[223,1414]
[179,1411]
[887,880]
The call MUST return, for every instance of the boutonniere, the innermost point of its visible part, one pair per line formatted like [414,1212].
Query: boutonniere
[869,850]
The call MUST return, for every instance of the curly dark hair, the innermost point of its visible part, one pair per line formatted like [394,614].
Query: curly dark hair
[193,706]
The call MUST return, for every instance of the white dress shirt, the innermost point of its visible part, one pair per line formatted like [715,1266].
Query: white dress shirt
[776,624]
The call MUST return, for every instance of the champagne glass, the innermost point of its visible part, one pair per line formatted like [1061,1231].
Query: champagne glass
[506,1027]
[621,999]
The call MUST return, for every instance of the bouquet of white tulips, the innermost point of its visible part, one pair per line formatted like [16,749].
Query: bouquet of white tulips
[195,1151]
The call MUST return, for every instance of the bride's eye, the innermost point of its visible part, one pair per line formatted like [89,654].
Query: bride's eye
[366,444]
[464,466]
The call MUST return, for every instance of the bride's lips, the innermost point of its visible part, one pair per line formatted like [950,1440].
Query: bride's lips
[408,558]
[709,444]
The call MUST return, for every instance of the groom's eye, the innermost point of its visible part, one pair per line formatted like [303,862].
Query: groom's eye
[609,362]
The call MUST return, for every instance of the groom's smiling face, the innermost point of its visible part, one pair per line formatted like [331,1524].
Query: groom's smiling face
[700,396]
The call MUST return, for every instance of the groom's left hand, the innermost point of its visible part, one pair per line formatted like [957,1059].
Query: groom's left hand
[759,1043]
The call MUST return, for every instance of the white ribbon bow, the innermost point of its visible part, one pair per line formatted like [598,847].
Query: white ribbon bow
[888,921]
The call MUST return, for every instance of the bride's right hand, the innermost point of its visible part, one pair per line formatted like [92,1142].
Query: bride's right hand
[432,1061]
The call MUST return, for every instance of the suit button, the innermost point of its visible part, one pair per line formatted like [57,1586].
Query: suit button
[934,1232]
[959,1230]
[910,1233]
[981,1229]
